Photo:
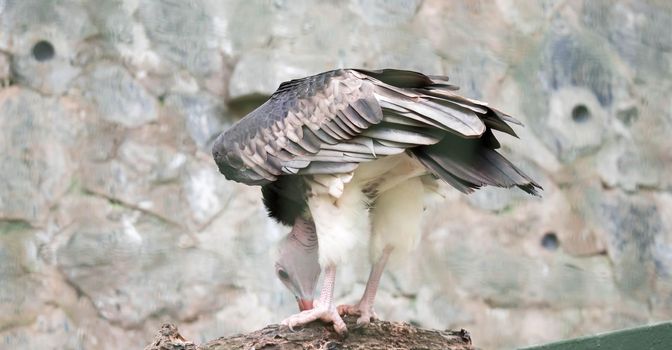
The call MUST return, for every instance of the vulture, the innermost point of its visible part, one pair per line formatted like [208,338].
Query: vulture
[346,156]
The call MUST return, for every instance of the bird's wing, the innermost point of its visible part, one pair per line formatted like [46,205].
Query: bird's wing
[330,122]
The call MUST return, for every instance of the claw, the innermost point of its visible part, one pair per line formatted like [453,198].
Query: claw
[321,313]
[365,313]
[351,310]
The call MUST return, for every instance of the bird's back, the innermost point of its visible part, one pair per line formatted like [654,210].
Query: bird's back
[331,122]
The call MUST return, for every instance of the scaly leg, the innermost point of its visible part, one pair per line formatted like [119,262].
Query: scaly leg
[324,309]
[364,309]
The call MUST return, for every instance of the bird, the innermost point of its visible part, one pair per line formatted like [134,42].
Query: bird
[345,158]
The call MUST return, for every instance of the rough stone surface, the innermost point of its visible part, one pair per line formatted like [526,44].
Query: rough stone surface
[5,72]
[385,12]
[60,28]
[182,32]
[139,253]
[35,140]
[376,335]
[107,186]
[116,96]
[632,225]
[260,71]
[52,329]
[204,116]
[19,303]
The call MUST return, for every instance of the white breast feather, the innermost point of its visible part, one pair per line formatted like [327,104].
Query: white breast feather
[341,223]
[396,220]
[340,209]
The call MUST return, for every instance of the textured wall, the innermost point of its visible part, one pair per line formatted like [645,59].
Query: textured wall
[113,217]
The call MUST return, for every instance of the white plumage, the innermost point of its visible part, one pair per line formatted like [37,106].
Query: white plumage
[342,217]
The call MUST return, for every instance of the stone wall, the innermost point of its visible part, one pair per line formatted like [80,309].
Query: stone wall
[113,217]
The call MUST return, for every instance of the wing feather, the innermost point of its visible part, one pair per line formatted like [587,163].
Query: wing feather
[330,122]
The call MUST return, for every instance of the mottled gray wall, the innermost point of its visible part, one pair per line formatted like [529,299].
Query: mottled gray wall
[113,217]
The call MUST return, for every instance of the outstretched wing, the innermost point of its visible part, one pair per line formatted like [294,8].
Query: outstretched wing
[331,122]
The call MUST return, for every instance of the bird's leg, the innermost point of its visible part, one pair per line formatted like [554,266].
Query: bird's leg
[324,309]
[364,308]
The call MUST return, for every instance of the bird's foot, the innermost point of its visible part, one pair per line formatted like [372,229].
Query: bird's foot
[365,312]
[319,312]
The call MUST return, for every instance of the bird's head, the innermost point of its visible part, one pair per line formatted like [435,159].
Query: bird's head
[297,266]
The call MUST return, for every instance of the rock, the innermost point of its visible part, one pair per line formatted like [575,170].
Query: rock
[121,259]
[160,180]
[43,40]
[626,165]
[576,124]
[628,113]
[116,97]
[575,60]
[52,328]
[247,25]
[477,72]
[5,72]
[420,55]
[385,13]
[246,226]
[633,29]
[66,19]
[204,116]
[168,338]
[515,99]
[45,65]
[126,38]
[528,17]
[206,193]
[662,257]
[19,292]
[631,225]
[152,163]
[185,34]
[261,72]
[493,198]
[376,335]
[459,239]
[35,135]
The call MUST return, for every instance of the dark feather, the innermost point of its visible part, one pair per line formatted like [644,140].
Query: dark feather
[310,141]
[474,163]
[323,136]
[399,78]
[368,109]
[285,199]
[354,117]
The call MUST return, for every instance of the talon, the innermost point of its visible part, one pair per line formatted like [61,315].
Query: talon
[341,329]
[363,320]
[327,315]
[352,310]
[365,313]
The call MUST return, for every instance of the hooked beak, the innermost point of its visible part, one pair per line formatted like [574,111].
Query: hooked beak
[305,304]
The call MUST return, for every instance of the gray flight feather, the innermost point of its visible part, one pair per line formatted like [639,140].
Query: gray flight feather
[330,122]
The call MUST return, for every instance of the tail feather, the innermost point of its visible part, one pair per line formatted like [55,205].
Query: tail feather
[466,155]
[468,164]
[461,185]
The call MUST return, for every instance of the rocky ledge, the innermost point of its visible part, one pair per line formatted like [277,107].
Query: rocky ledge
[317,335]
